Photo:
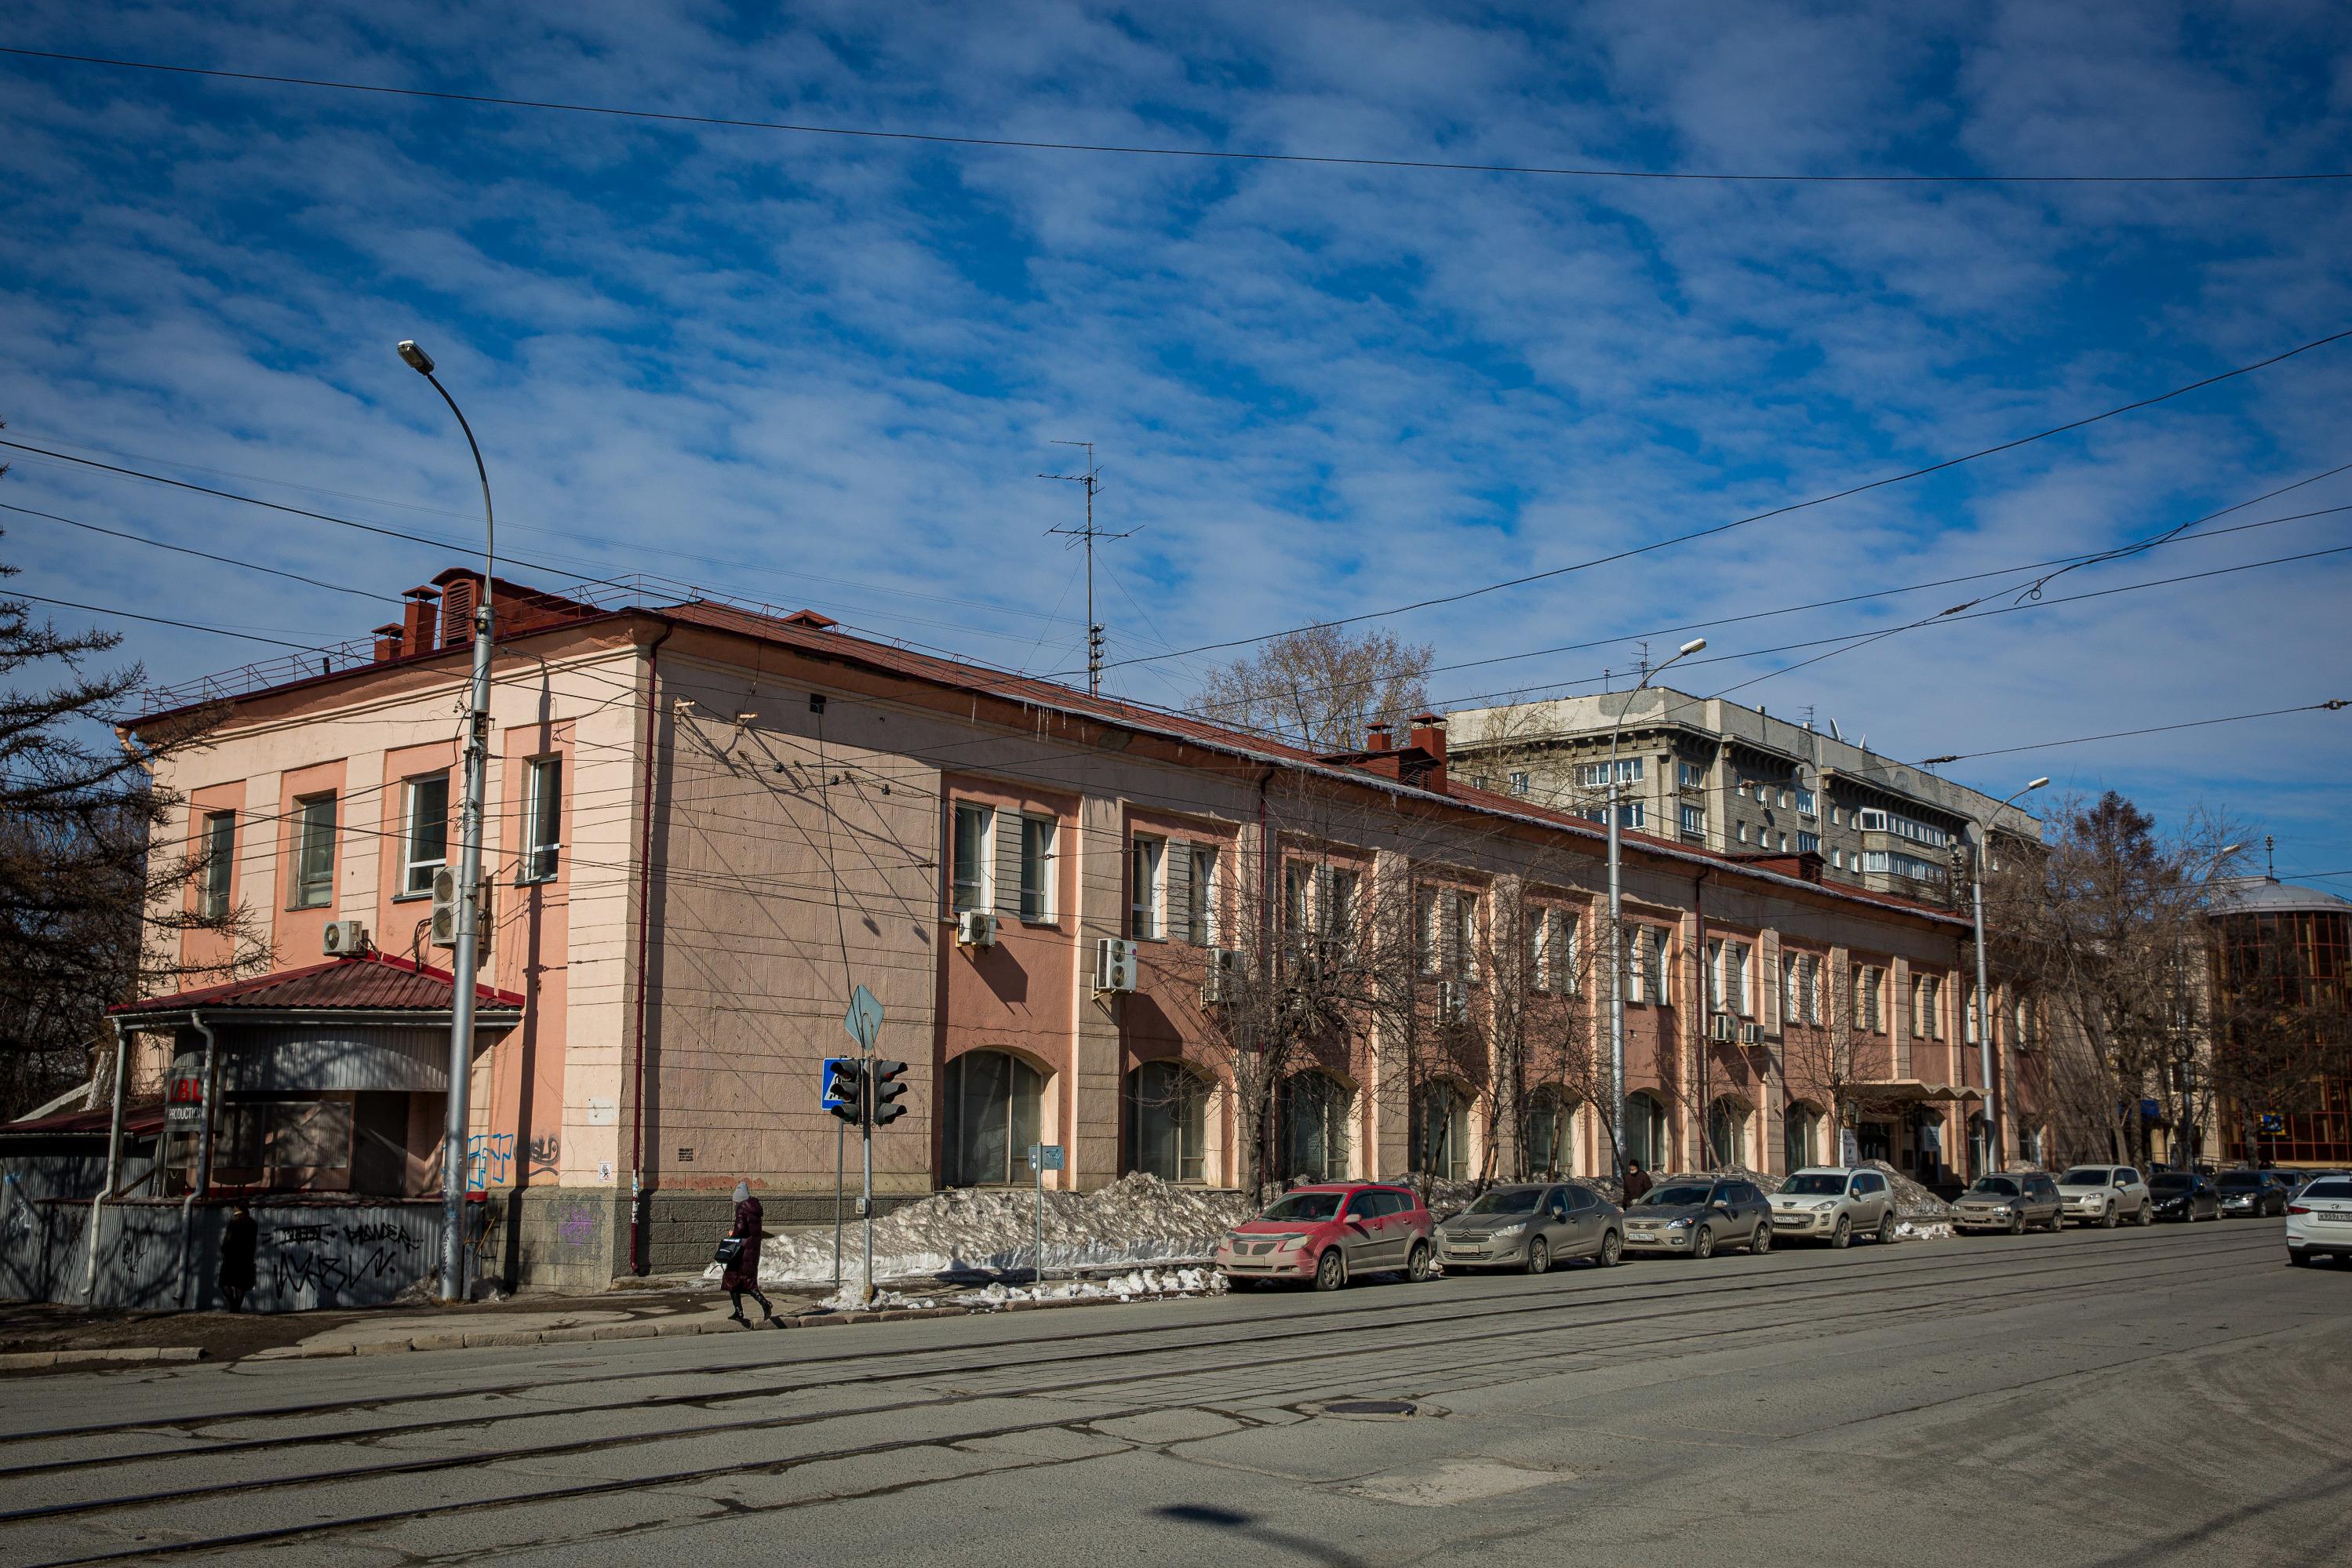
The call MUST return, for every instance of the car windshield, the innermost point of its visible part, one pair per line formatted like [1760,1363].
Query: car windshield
[2171,1181]
[1814,1185]
[2328,1189]
[1676,1197]
[2085,1175]
[2239,1181]
[1508,1200]
[1304,1206]
[1997,1186]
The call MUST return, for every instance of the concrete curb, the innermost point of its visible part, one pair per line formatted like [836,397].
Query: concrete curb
[128,1356]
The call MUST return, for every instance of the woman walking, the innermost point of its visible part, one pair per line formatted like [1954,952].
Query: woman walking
[742,1274]
[240,1241]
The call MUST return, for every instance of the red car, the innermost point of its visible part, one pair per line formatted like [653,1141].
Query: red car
[1328,1232]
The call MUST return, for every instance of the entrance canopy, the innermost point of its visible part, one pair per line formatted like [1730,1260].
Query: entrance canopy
[1911,1092]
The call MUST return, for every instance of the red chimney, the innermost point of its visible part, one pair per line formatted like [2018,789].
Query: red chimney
[1429,735]
[1376,736]
[389,642]
[421,620]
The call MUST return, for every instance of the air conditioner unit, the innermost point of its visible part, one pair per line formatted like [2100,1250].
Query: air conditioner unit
[975,928]
[1719,1029]
[1453,1000]
[446,903]
[1224,974]
[342,938]
[1114,965]
[1751,1034]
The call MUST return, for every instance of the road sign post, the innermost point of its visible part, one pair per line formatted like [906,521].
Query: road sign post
[864,1022]
[1042,1157]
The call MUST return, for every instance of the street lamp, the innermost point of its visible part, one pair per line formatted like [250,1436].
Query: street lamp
[1617,920]
[1993,1106]
[468,948]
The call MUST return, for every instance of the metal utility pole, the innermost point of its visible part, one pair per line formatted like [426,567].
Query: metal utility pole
[1092,480]
[1617,920]
[1994,1159]
[467,949]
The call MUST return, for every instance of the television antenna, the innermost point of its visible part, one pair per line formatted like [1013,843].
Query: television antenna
[1087,534]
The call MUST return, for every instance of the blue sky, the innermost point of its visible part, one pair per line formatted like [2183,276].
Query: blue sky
[825,371]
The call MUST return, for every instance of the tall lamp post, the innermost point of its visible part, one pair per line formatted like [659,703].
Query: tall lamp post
[1994,1157]
[467,947]
[1617,920]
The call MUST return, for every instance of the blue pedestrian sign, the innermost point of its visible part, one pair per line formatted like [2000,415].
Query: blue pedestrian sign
[864,1018]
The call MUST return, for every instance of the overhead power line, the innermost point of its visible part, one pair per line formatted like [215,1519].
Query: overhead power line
[1936,467]
[2333,705]
[1205,155]
[205,555]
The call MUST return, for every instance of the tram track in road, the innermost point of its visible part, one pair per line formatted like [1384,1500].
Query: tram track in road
[1626,1287]
[1291,1327]
[2207,1262]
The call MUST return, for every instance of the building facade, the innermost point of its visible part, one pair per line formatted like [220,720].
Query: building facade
[2281,962]
[710,823]
[1718,774]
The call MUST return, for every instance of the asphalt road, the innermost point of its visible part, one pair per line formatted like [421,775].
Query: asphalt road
[2173,1396]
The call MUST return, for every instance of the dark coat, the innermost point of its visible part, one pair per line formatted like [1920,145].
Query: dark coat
[1637,1183]
[240,1240]
[743,1274]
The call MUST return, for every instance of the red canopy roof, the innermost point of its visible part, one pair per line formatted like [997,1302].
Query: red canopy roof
[369,982]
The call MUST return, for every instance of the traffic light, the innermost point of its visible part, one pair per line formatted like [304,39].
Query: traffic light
[845,1089]
[889,1084]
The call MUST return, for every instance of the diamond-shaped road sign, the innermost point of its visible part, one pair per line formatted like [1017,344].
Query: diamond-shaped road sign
[864,1018]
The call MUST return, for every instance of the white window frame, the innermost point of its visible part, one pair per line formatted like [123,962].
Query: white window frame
[542,855]
[1147,870]
[1337,890]
[1462,933]
[1201,916]
[218,894]
[411,789]
[1539,924]
[1426,931]
[1694,819]
[979,818]
[1040,838]
[306,891]
[1690,776]
[1519,783]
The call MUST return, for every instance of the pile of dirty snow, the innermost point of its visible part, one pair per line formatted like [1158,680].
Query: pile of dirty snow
[1137,1219]
[1915,1230]
[1135,1284]
[1912,1201]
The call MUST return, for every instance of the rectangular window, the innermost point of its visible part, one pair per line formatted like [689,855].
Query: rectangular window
[1694,819]
[1629,814]
[1538,923]
[1465,935]
[1837,859]
[1969,1024]
[1786,800]
[1037,868]
[426,837]
[1519,783]
[1295,875]
[215,890]
[1714,980]
[1146,860]
[1837,816]
[1805,803]
[1636,939]
[1742,831]
[1873,1016]
[975,858]
[1809,844]
[542,819]
[1200,896]
[1426,930]
[1339,918]
[1689,774]
[1793,1004]
[1567,944]
[1816,983]
[314,852]
[1926,1003]
[1595,775]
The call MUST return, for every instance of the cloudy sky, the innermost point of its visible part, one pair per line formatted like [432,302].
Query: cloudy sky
[819,370]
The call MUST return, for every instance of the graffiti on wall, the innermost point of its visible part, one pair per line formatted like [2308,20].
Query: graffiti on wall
[576,1226]
[326,1262]
[545,1153]
[489,1161]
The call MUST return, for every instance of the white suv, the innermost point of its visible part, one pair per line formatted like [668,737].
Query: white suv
[1834,1205]
[2107,1196]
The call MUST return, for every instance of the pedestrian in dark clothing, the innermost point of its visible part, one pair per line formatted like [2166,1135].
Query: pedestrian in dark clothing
[742,1277]
[1637,1180]
[240,1241]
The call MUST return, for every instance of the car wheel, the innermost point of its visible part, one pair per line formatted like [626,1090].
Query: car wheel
[1702,1244]
[2147,1214]
[1844,1234]
[1331,1271]
[2017,1223]
[1539,1256]
[1417,1262]
[1886,1228]
[1759,1240]
[1612,1249]
[2110,1219]
[2299,1259]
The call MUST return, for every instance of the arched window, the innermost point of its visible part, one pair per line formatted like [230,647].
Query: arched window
[1544,1138]
[1726,1132]
[990,1109]
[1311,1113]
[1645,1132]
[1167,1121]
[1800,1133]
[1440,1131]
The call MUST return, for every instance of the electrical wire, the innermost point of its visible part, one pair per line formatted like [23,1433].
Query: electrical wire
[1143,151]
[205,555]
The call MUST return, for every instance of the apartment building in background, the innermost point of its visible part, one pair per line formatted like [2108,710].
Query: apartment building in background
[1720,776]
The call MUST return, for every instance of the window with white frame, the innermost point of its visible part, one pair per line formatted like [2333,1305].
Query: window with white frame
[1426,930]
[1538,923]
[1690,774]
[1727,977]
[1635,941]
[1926,1008]
[1037,835]
[1969,1024]
[314,852]
[1567,949]
[1297,875]
[1629,814]
[424,836]
[1868,1012]
[1742,831]
[1595,775]
[1805,803]
[1894,863]
[1782,842]
[1740,789]
[217,844]
[1872,820]
[1792,1001]
[1837,816]
[974,861]
[1463,934]
[1809,844]
[1787,799]
[1518,783]
[1147,868]
[1837,859]
[1694,819]
[542,819]
[1817,984]
[1338,917]
[1201,892]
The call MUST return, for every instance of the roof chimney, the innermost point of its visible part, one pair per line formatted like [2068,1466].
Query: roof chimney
[389,639]
[422,620]
[1429,735]
[1376,736]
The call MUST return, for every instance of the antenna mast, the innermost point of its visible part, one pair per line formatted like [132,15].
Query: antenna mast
[1092,480]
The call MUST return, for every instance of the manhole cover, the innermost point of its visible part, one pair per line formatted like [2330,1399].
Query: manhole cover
[1372,1407]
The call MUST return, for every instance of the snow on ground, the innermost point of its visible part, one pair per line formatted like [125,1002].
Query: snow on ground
[1137,1219]
[1923,1230]
[1136,1284]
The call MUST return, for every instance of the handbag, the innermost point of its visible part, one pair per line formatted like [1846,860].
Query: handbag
[730,1249]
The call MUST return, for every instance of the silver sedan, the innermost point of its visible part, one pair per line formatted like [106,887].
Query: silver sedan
[1530,1227]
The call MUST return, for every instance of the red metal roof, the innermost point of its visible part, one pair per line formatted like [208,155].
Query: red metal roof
[138,1122]
[371,982]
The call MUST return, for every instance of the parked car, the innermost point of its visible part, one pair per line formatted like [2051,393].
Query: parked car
[2014,1201]
[2320,1221]
[2107,1196]
[1695,1215]
[1834,1203]
[2180,1195]
[1329,1233]
[2249,1194]
[1532,1225]
[2305,1178]
[2287,1181]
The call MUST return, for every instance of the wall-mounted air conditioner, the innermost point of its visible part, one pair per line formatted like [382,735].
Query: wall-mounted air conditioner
[1219,985]
[342,938]
[1719,1029]
[1114,965]
[975,928]
[1751,1034]
[1452,1001]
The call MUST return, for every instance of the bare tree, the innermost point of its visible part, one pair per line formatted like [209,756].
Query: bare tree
[1320,687]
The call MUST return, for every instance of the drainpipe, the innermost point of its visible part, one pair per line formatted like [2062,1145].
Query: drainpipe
[113,1156]
[204,1173]
[645,925]
[1706,1031]
[1266,860]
